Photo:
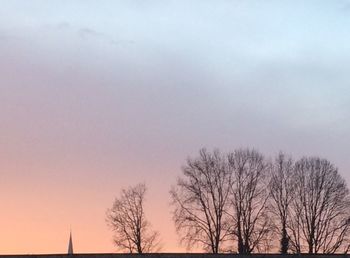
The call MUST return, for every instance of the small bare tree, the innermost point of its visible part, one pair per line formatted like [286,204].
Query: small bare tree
[321,208]
[200,199]
[127,219]
[281,196]
[249,200]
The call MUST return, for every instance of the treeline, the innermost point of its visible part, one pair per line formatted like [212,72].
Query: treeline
[242,202]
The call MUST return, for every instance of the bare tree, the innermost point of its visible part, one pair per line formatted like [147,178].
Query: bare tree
[281,196]
[127,219]
[249,200]
[200,199]
[320,208]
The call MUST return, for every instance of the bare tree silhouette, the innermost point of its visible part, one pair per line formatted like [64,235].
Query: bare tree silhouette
[320,208]
[249,200]
[281,196]
[200,199]
[127,219]
[242,198]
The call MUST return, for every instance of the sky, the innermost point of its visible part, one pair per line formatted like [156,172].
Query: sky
[96,96]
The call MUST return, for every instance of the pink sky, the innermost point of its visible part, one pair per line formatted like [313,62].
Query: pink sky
[99,95]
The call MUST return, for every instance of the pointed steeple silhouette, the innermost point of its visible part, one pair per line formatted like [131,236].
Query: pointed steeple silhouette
[70,243]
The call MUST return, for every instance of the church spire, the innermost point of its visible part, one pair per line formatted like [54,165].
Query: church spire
[70,243]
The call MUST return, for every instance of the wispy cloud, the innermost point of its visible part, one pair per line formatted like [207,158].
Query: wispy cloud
[63,25]
[86,33]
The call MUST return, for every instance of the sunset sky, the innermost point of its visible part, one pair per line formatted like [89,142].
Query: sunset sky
[99,95]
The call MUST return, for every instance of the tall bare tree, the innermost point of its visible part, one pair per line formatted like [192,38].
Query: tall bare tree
[200,198]
[320,207]
[281,196]
[127,219]
[249,200]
